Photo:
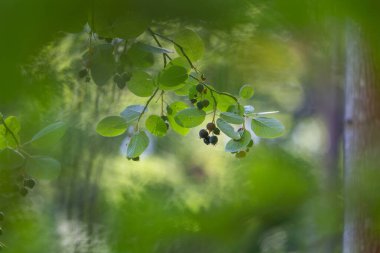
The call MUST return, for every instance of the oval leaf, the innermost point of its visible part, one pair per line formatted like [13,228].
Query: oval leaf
[43,167]
[49,135]
[139,142]
[232,118]
[190,117]
[267,127]
[6,138]
[132,113]
[102,64]
[10,159]
[246,91]
[227,129]
[141,84]
[237,145]
[111,126]
[173,76]
[191,43]
[156,125]
[175,108]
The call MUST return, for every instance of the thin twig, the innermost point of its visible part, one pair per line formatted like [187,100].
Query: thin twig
[146,106]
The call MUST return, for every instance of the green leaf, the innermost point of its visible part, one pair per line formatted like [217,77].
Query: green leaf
[237,145]
[246,91]
[190,117]
[6,138]
[239,110]
[172,76]
[224,102]
[102,64]
[139,142]
[43,167]
[267,127]
[227,129]
[191,43]
[137,57]
[10,159]
[132,113]
[156,125]
[175,108]
[49,135]
[153,49]
[141,84]
[180,61]
[111,126]
[232,118]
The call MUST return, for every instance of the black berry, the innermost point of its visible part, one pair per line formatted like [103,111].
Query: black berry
[206,103]
[200,87]
[200,105]
[126,76]
[30,183]
[203,133]
[213,140]
[88,79]
[136,159]
[23,191]
[210,126]
[216,131]
[193,100]
[206,140]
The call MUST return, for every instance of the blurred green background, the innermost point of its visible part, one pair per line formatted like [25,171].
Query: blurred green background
[183,196]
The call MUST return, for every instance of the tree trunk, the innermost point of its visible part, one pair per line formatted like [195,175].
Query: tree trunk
[361,145]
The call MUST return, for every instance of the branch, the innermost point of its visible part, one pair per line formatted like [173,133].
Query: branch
[146,106]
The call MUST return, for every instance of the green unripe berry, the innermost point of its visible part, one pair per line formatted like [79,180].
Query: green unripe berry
[210,126]
[250,144]
[203,133]
[206,103]
[136,159]
[213,140]
[169,110]
[200,87]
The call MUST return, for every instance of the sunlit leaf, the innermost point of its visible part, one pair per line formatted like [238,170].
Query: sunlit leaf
[227,129]
[137,145]
[137,57]
[237,145]
[232,118]
[156,125]
[6,138]
[190,117]
[246,91]
[172,76]
[111,126]
[191,43]
[267,127]
[175,108]
[141,84]
[43,167]
[132,113]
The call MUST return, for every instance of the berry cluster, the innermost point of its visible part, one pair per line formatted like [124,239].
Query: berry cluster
[202,103]
[84,74]
[205,134]
[25,185]
[121,79]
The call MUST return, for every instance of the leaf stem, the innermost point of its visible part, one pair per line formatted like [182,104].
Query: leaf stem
[145,107]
